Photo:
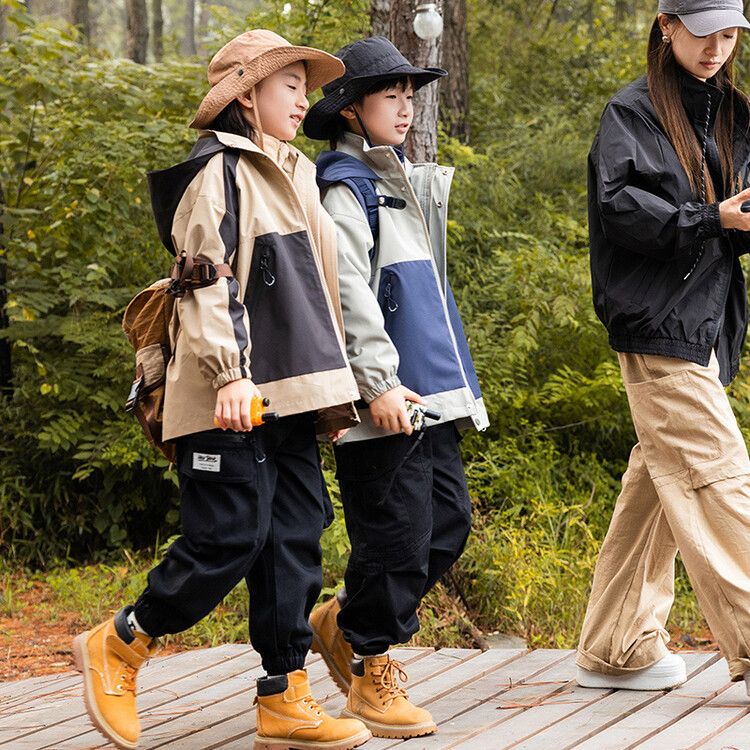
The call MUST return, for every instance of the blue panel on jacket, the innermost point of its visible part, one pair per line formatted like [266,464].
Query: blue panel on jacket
[415,321]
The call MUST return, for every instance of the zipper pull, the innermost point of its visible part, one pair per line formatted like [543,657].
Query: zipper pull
[389,300]
[268,278]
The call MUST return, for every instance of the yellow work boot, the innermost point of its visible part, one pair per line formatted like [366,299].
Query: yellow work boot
[328,641]
[381,703]
[109,657]
[288,718]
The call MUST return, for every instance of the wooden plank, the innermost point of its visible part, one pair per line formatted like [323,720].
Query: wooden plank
[36,688]
[571,714]
[67,719]
[668,709]
[735,737]
[465,712]
[234,718]
[704,723]
[424,669]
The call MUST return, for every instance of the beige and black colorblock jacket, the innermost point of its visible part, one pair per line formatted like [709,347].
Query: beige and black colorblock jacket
[278,320]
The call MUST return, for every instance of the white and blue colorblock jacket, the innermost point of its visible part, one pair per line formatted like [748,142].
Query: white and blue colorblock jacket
[401,322]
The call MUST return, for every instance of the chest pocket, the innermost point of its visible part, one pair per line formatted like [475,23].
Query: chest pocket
[291,329]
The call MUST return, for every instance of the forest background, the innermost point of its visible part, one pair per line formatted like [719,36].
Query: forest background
[86,506]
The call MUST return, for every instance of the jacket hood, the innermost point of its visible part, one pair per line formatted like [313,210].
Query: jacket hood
[167,186]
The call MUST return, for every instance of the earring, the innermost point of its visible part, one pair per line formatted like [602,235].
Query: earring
[666,39]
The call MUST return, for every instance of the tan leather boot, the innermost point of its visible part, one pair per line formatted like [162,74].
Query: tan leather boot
[328,641]
[109,657]
[291,719]
[382,704]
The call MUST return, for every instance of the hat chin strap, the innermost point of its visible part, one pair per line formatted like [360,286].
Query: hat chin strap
[256,118]
[362,126]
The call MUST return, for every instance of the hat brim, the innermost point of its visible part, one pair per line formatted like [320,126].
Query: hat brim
[322,68]
[318,124]
[707,22]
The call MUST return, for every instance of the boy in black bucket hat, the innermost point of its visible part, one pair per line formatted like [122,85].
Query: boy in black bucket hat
[404,493]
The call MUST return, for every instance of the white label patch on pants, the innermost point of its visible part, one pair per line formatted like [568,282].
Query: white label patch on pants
[207,462]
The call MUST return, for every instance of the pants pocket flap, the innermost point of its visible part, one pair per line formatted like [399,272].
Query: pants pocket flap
[720,468]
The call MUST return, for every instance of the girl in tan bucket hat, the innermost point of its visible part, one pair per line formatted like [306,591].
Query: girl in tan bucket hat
[261,314]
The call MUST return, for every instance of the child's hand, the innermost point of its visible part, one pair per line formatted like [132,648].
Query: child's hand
[389,409]
[233,403]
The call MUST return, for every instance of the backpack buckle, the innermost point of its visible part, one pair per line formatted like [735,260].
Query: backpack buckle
[135,392]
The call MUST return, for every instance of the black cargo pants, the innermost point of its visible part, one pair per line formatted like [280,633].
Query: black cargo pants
[253,506]
[408,515]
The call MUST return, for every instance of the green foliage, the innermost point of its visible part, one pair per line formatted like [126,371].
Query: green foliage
[78,132]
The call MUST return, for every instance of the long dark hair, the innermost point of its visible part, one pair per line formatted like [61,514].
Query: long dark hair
[664,90]
[231,120]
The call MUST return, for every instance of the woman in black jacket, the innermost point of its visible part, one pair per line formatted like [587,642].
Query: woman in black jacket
[668,176]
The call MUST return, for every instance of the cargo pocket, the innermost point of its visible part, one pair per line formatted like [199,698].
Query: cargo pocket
[675,426]
[387,501]
[219,488]
[714,471]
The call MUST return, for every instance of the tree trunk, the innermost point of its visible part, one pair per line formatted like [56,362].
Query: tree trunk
[380,18]
[79,13]
[137,30]
[421,143]
[188,41]
[454,90]
[157,30]
[624,10]
[204,16]
[6,371]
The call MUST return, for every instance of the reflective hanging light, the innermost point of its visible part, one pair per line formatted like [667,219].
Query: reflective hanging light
[428,23]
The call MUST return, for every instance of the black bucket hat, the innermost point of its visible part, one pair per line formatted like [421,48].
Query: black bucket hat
[367,61]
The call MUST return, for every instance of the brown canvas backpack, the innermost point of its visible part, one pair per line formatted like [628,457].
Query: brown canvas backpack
[146,323]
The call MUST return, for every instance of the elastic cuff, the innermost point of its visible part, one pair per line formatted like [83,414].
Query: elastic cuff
[229,376]
[283,664]
[372,391]
[710,225]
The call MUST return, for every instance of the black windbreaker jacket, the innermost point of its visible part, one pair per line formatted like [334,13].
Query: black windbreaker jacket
[666,278]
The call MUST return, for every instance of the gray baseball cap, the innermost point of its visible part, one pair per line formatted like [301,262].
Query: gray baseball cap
[704,17]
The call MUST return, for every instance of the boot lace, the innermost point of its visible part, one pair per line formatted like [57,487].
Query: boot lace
[311,705]
[387,686]
[127,678]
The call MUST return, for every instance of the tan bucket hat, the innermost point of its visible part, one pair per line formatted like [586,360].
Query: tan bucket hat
[253,56]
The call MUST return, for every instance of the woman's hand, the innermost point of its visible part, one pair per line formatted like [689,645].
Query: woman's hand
[731,213]
[233,402]
[336,435]
[389,409]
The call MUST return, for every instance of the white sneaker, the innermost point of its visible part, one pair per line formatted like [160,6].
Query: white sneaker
[668,672]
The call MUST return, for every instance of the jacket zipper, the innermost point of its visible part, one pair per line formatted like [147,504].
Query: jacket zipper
[443,298]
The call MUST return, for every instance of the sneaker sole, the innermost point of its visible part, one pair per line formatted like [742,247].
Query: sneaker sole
[393,732]
[276,743]
[81,657]
[317,647]
[589,679]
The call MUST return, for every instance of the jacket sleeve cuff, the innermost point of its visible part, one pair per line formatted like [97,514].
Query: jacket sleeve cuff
[378,389]
[228,376]
[710,225]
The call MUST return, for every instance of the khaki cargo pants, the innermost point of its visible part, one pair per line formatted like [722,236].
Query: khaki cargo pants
[686,488]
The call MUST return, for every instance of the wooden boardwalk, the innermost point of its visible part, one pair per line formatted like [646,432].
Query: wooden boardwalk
[200,700]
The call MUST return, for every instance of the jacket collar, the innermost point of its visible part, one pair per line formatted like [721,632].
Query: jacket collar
[278,151]
[381,158]
[695,97]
